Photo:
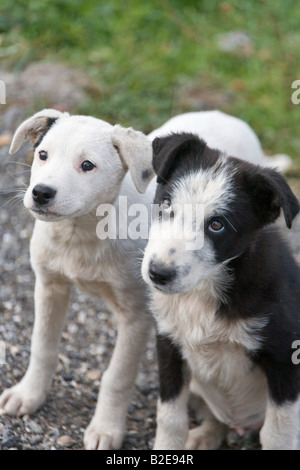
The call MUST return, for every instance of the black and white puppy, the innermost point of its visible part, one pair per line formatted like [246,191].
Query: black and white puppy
[225,295]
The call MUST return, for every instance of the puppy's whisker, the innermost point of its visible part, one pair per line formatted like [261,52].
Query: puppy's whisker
[22,172]
[16,177]
[14,201]
[14,190]
[18,163]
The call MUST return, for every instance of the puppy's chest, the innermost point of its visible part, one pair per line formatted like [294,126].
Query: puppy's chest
[82,263]
[213,347]
[217,354]
[87,261]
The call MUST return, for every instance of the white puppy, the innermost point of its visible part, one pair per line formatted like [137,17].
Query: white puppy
[228,133]
[80,163]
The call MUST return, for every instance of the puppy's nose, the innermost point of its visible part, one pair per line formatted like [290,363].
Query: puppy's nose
[160,274]
[43,194]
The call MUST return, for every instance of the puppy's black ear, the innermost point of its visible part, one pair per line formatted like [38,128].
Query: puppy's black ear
[170,151]
[270,193]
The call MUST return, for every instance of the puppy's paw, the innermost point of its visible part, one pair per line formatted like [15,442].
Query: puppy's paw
[208,436]
[20,400]
[98,438]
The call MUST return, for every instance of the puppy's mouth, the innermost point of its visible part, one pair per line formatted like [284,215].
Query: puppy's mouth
[170,289]
[48,214]
[164,289]
[44,213]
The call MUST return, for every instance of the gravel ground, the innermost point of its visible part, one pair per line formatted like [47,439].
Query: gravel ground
[88,337]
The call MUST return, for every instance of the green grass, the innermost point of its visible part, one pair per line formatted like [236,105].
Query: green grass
[151,59]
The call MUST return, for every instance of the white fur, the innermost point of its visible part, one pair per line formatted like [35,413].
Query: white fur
[226,133]
[172,416]
[281,427]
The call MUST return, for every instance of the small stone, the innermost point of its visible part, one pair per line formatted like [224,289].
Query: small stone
[14,349]
[93,374]
[65,441]
[9,442]
[81,317]
[67,377]
[36,440]
[64,359]
[234,41]
[33,426]
[72,329]
[142,383]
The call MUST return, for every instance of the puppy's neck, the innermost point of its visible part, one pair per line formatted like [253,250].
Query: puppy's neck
[72,230]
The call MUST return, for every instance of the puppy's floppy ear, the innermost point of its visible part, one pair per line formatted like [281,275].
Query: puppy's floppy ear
[34,128]
[169,151]
[270,193]
[135,151]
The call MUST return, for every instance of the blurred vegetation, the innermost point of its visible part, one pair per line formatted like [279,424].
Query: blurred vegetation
[152,59]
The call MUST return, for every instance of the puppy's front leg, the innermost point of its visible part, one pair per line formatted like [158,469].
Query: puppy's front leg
[172,414]
[51,301]
[106,430]
[281,426]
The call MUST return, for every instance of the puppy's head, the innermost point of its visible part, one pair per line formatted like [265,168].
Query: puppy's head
[79,162]
[208,208]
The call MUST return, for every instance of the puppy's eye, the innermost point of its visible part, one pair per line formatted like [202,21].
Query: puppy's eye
[166,205]
[87,166]
[216,226]
[43,155]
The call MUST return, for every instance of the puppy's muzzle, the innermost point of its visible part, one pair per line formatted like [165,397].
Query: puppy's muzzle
[43,195]
[161,275]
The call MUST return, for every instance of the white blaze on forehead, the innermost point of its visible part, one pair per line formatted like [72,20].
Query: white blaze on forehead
[196,197]
[212,187]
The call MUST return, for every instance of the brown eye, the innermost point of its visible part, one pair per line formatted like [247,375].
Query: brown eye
[216,226]
[43,155]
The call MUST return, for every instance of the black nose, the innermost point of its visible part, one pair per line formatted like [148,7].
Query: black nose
[160,274]
[43,194]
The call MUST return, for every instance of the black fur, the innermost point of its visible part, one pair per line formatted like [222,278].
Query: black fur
[41,135]
[171,368]
[267,286]
[269,192]
[169,152]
